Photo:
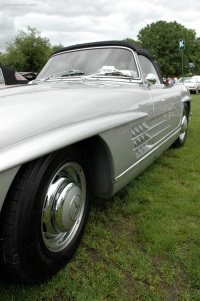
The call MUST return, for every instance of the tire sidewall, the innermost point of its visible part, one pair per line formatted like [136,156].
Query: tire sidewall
[41,261]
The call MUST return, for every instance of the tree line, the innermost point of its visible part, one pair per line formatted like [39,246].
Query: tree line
[29,51]
[161,39]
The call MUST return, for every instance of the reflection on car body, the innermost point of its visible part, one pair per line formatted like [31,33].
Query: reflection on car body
[96,116]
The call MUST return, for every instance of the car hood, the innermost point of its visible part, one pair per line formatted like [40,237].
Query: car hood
[190,84]
[48,109]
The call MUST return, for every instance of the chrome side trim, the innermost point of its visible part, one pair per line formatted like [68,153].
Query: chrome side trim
[158,124]
[143,144]
[161,131]
[143,138]
[119,177]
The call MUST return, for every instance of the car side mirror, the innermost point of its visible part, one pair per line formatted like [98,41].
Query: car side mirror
[151,78]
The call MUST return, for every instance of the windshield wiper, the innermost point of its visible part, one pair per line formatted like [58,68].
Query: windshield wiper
[72,73]
[65,73]
[62,74]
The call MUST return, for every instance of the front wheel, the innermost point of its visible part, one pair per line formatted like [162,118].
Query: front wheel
[44,215]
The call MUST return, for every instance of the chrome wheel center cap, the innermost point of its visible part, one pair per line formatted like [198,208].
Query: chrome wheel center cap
[74,207]
[67,208]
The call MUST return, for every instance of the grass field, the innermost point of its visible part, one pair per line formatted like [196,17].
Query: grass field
[142,244]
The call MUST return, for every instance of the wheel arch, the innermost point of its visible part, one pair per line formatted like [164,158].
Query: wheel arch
[6,179]
[100,164]
[188,103]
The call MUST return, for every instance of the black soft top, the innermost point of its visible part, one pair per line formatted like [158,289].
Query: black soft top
[134,47]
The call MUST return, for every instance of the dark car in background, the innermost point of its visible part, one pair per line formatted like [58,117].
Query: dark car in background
[8,76]
[28,75]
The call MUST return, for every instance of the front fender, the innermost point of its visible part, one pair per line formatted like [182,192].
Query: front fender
[186,98]
[45,143]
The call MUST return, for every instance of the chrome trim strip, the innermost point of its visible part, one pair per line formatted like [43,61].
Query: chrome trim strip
[118,178]
[143,133]
[152,128]
[142,144]
[161,131]
[158,124]
[149,138]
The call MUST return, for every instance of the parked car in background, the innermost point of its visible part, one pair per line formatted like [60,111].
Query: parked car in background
[8,76]
[28,75]
[95,117]
[198,78]
[191,83]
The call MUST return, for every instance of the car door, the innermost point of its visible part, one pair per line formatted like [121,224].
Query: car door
[166,102]
[129,143]
[167,111]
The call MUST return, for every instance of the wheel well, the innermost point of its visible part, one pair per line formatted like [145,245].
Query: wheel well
[189,109]
[100,163]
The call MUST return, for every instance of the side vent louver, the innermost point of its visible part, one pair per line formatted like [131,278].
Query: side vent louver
[142,140]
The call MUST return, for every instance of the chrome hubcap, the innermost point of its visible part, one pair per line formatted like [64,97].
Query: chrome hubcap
[63,207]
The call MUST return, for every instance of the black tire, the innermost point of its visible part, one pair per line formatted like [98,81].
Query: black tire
[184,127]
[43,217]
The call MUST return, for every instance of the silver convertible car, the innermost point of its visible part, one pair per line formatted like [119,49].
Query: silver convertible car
[94,118]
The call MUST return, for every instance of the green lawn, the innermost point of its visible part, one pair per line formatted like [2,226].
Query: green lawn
[142,244]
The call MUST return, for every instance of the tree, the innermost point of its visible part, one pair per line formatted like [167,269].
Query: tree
[133,42]
[161,40]
[1,58]
[28,52]
[56,47]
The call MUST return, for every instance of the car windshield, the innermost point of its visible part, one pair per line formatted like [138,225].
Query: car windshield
[87,62]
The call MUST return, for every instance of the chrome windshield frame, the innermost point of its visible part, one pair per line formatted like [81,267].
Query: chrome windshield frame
[135,79]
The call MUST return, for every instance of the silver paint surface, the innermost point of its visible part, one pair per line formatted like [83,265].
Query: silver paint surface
[137,123]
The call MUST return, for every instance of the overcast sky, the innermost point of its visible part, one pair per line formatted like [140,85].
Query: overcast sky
[75,21]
